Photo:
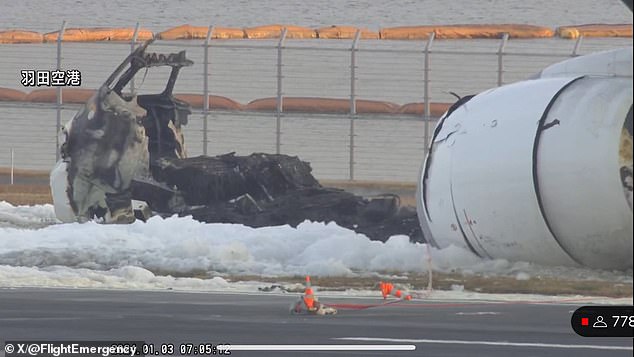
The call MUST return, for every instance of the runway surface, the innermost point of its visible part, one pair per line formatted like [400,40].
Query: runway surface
[434,328]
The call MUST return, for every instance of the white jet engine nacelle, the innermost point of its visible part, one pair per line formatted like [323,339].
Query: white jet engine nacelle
[539,170]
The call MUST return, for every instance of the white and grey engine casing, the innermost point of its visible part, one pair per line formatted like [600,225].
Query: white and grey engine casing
[539,170]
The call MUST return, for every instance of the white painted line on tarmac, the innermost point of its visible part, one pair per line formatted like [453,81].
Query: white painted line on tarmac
[487,343]
[333,347]
[39,318]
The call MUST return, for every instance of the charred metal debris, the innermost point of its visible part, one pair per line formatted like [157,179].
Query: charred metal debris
[121,147]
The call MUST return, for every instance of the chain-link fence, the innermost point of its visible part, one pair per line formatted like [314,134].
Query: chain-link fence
[374,146]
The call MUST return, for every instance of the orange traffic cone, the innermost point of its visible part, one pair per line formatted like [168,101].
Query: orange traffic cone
[388,289]
[309,303]
[309,295]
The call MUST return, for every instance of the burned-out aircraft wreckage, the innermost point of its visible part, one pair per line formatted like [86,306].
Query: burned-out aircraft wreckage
[120,147]
[550,151]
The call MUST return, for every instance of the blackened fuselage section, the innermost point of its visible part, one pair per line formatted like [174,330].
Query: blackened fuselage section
[106,147]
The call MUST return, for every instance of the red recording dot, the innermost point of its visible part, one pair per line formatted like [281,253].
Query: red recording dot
[584,321]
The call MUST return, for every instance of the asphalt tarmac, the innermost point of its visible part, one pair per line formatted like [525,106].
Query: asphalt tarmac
[425,328]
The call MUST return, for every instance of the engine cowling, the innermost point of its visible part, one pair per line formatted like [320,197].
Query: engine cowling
[539,171]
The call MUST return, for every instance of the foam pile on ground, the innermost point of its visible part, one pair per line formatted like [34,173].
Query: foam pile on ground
[26,216]
[184,246]
[127,277]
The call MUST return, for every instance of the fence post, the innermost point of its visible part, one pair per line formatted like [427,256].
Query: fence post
[279,108]
[353,99]
[58,123]
[135,36]
[353,68]
[12,164]
[505,38]
[206,91]
[575,51]
[428,46]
